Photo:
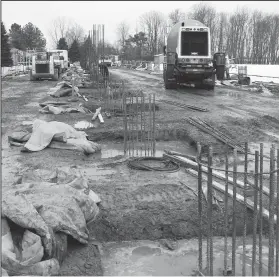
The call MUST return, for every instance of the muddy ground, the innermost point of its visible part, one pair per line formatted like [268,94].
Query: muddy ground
[138,205]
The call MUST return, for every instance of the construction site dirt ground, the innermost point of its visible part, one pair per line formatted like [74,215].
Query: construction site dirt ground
[138,205]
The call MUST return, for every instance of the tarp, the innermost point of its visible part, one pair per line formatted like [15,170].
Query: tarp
[53,134]
[64,205]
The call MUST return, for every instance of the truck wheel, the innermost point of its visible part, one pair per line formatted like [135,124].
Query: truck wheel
[211,86]
[168,73]
[55,77]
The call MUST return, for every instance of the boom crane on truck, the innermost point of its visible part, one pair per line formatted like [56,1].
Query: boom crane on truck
[188,57]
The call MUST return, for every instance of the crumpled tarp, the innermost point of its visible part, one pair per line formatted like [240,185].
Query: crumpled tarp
[47,208]
[62,89]
[58,110]
[53,134]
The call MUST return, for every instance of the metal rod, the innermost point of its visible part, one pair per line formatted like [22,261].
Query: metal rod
[154,136]
[245,211]
[129,126]
[277,225]
[141,126]
[261,212]
[150,127]
[234,212]
[132,108]
[255,215]
[200,204]
[226,215]
[125,122]
[271,214]
[137,122]
[144,132]
[209,217]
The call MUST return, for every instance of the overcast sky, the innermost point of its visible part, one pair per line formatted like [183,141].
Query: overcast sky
[110,13]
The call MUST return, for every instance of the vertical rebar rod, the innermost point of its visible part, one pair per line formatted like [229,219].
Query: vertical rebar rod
[154,136]
[137,122]
[245,210]
[277,222]
[133,134]
[209,217]
[200,204]
[271,214]
[125,122]
[261,211]
[141,125]
[234,212]
[226,215]
[150,127]
[129,126]
[144,131]
[255,215]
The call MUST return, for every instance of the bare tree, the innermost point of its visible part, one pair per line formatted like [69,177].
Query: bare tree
[206,14]
[75,32]
[59,28]
[176,16]
[153,24]
[123,33]
[239,22]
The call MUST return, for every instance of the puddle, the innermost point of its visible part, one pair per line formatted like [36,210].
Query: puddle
[152,258]
[116,149]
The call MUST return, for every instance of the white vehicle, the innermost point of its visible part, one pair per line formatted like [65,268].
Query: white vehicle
[188,55]
[106,60]
[60,58]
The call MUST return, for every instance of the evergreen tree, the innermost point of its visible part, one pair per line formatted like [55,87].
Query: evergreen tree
[85,49]
[33,37]
[16,36]
[6,59]
[74,53]
[62,44]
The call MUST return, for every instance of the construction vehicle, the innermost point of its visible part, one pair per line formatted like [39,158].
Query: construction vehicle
[188,56]
[61,60]
[43,67]
[106,60]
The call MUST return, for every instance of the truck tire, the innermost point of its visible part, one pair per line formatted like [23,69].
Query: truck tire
[168,74]
[56,76]
[212,85]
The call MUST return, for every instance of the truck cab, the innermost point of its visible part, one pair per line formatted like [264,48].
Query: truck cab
[188,56]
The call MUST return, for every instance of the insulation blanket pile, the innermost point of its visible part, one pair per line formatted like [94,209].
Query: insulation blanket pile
[53,134]
[46,210]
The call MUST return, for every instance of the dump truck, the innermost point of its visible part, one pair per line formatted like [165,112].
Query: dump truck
[43,67]
[188,57]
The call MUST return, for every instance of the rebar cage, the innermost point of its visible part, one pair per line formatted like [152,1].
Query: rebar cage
[257,191]
[139,124]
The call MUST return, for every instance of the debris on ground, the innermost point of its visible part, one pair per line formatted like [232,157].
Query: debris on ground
[96,113]
[265,91]
[59,110]
[42,210]
[53,134]
[83,125]
[143,163]
[202,125]
[239,198]
[184,106]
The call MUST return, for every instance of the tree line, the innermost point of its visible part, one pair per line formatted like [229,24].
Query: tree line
[248,36]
